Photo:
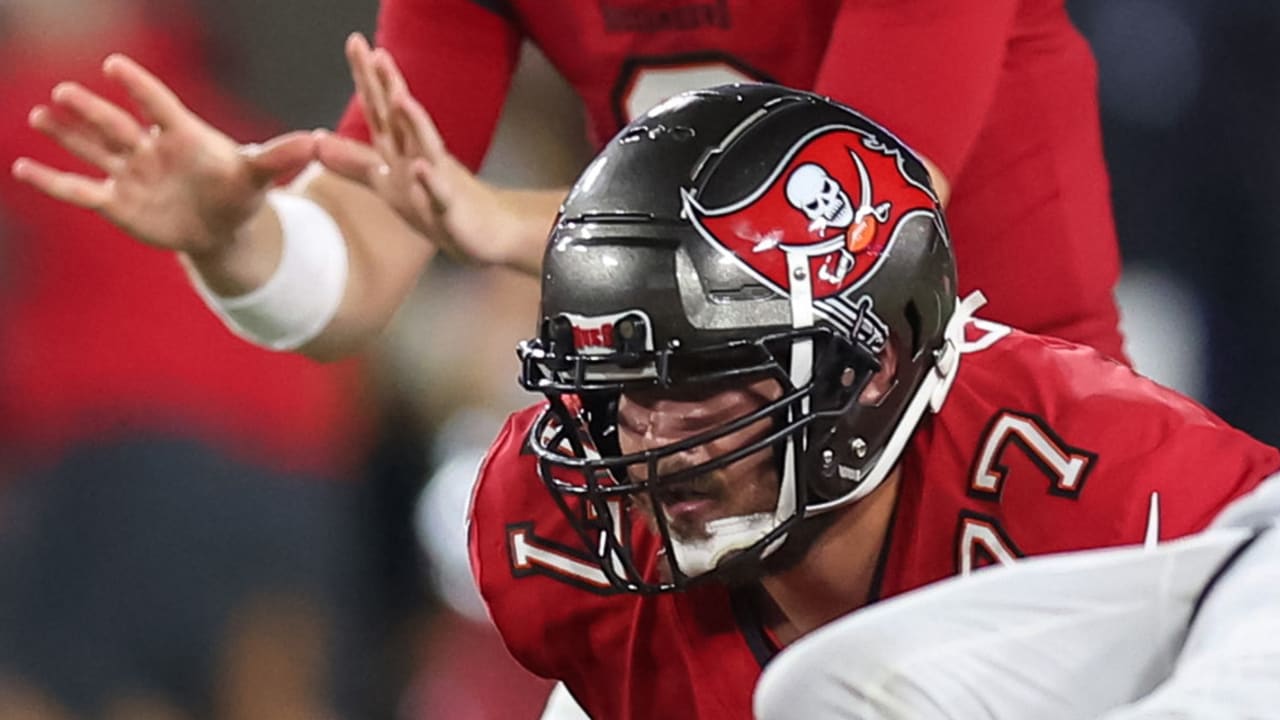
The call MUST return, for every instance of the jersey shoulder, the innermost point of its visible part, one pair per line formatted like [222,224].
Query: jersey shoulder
[1045,446]
[538,582]
[1052,428]
[622,655]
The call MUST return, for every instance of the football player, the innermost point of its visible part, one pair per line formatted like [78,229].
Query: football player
[767,408]
[965,82]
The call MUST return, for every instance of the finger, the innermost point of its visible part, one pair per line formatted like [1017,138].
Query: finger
[154,99]
[349,158]
[373,82]
[422,128]
[388,73]
[121,131]
[393,86]
[281,156]
[379,102]
[359,57]
[78,139]
[68,187]
[437,186]
[424,207]
[403,134]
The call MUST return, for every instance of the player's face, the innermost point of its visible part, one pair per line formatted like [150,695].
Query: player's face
[654,418]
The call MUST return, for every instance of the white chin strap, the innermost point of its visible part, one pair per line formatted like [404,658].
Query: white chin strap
[724,536]
[731,534]
[727,535]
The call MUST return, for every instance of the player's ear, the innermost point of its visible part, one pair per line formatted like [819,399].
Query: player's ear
[882,381]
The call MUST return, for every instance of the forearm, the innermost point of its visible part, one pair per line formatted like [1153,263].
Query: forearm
[343,297]
[245,261]
[385,257]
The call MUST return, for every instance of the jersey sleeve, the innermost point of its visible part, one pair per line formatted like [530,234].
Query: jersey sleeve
[547,598]
[487,543]
[457,57]
[928,69]
[1186,477]
[1086,453]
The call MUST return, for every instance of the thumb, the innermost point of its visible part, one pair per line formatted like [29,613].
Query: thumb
[441,185]
[280,157]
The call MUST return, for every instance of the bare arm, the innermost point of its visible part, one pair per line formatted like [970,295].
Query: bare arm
[182,185]
[385,257]
[179,184]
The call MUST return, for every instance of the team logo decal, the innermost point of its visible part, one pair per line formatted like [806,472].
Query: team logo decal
[820,203]
[605,334]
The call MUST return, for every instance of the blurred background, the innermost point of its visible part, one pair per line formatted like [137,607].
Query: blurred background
[192,528]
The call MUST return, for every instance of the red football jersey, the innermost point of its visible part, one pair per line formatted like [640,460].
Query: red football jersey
[1042,446]
[1000,94]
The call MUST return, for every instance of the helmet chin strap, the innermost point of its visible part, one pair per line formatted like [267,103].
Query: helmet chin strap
[931,394]
[724,536]
[730,534]
[727,535]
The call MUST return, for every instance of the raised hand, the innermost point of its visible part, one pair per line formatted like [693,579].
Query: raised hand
[173,181]
[407,164]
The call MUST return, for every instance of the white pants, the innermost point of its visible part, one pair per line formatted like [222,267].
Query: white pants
[1099,634]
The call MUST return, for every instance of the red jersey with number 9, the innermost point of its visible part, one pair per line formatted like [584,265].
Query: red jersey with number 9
[1000,94]
[1041,446]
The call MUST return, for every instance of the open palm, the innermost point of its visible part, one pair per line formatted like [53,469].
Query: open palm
[175,183]
[407,164]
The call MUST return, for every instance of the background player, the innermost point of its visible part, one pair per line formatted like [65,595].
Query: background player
[207,196]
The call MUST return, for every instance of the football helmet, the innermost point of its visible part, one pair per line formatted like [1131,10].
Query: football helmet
[738,232]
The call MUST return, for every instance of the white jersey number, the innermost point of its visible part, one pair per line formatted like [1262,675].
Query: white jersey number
[646,82]
[1065,467]
[531,554]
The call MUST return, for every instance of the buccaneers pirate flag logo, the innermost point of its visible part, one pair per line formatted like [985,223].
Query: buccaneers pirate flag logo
[837,198]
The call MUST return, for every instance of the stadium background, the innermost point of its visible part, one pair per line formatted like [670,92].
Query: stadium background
[1191,105]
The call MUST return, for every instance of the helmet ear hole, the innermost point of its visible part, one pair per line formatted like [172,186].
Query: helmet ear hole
[916,323]
[558,332]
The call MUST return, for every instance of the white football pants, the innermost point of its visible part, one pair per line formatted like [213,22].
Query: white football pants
[1118,634]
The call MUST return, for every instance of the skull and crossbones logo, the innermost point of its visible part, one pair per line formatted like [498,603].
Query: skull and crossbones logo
[813,191]
[822,199]
[820,220]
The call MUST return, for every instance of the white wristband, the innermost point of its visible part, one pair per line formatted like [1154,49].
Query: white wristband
[304,292]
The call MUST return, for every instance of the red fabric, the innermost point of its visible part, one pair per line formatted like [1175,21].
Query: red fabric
[1000,94]
[1134,437]
[948,60]
[683,655]
[102,335]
